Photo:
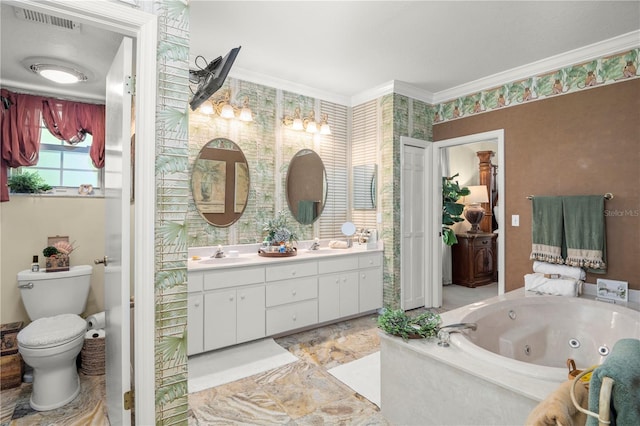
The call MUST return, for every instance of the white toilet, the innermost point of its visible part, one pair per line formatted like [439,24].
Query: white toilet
[52,342]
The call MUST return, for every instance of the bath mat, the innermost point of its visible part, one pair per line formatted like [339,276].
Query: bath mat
[227,365]
[361,375]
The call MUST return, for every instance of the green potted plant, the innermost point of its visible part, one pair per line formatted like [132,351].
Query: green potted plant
[398,323]
[27,183]
[278,231]
[451,209]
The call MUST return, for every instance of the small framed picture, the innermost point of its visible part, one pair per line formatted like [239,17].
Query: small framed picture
[616,291]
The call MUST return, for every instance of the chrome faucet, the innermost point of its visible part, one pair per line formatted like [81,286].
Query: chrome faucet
[219,254]
[445,331]
[315,245]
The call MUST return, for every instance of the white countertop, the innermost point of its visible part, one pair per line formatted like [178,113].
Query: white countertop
[200,257]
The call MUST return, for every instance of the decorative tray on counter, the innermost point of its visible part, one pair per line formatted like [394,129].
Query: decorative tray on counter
[277,253]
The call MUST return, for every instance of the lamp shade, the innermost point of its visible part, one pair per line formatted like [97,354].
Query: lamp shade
[478,194]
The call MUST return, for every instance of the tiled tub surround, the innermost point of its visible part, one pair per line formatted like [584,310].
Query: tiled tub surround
[238,299]
[493,389]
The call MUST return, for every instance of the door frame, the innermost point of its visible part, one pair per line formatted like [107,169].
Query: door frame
[436,278]
[142,27]
[428,213]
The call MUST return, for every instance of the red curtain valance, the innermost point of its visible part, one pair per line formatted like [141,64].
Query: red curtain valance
[67,120]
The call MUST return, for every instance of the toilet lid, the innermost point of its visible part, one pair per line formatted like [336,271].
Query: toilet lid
[51,331]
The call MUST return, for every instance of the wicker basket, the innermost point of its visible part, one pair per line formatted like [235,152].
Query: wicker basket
[92,357]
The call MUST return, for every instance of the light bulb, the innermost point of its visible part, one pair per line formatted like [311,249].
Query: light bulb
[227,111]
[297,124]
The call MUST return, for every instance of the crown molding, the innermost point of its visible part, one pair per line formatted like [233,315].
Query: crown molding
[278,83]
[606,47]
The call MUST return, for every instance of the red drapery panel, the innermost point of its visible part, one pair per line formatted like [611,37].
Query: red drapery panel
[20,130]
[67,120]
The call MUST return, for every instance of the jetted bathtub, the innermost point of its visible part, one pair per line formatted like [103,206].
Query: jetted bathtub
[500,372]
[536,335]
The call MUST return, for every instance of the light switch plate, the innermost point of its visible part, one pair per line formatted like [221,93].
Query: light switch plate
[515,220]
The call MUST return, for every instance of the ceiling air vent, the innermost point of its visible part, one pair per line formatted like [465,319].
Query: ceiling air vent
[43,18]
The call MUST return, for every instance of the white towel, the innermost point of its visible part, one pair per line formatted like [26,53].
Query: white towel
[556,287]
[338,244]
[562,270]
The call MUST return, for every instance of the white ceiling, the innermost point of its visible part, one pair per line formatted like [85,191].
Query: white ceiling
[345,48]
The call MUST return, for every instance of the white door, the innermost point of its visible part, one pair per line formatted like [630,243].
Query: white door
[117,175]
[415,251]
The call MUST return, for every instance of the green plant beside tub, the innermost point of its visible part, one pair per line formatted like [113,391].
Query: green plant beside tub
[398,323]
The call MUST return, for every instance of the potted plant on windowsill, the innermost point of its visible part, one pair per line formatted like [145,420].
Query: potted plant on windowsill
[451,209]
[398,323]
[27,183]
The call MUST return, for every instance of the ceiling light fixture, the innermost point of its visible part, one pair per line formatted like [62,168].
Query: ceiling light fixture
[56,70]
[308,124]
[225,109]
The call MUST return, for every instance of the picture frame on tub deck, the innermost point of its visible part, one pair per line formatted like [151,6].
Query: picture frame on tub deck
[612,290]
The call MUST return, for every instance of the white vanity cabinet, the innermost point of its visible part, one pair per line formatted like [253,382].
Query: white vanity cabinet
[370,281]
[195,313]
[235,304]
[292,296]
[338,288]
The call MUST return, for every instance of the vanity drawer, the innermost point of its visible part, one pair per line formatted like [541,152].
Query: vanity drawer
[345,263]
[292,291]
[370,260]
[233,277]
[195,282]
[290,317]
[291,270]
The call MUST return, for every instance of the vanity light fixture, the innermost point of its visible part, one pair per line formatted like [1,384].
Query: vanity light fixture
[225,109]
[308,124]
[56,70]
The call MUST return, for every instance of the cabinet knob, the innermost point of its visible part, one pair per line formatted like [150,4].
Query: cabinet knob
[370,261]
[337,280]
[485,242]
[242,297]
[344,279]
[293,292]
[293,273]
[364,275]
[231,299]
[197,304]
[294,317]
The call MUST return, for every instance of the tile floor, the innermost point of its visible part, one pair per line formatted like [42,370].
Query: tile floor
[300,393]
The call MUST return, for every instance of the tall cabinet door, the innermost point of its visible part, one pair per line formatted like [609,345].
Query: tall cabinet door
[219,319]
[250,314]
[195,323]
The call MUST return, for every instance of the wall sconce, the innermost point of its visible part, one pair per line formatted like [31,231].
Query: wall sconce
[225,109]
[308,124]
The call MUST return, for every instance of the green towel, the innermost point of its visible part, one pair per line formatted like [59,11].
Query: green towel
[584,232]
[546,230]
[623,366]
[306,212]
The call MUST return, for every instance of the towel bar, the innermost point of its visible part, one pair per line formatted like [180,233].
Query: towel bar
[607,196]
[604,417]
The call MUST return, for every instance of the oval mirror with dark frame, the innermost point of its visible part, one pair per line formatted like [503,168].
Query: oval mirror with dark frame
[306,186]
[220,182]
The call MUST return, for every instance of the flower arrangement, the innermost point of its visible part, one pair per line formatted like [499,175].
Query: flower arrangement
[278,231]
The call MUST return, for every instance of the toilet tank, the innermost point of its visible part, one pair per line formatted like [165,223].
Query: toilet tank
[46,294]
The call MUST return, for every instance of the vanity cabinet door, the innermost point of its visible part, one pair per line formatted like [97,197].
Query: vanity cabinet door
[195,324]
[370,286]
[337,296]
[219,319]
[250,314]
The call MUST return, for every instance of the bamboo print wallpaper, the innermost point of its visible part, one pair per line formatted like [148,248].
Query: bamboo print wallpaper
[172,178]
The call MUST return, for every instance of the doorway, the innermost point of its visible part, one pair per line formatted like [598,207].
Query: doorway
[441,150]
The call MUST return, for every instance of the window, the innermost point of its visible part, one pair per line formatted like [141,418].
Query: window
[65,166]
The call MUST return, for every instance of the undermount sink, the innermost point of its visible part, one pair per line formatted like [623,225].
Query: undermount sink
[221,260]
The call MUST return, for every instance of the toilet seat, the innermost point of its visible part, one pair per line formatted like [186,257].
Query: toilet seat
[52,331]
